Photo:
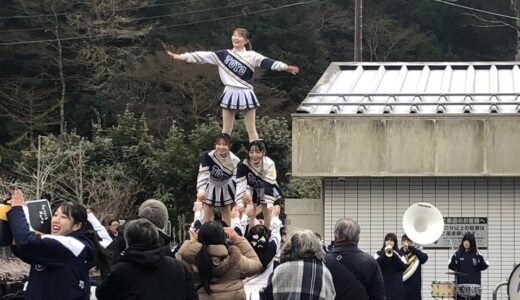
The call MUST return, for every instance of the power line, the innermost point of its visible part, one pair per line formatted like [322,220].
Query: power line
[36,79]
[120,9]
[198,11]
[147,18]
[477,10]
[239,15]
[164,27]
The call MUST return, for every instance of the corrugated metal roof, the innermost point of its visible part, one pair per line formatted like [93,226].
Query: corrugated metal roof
[422,88]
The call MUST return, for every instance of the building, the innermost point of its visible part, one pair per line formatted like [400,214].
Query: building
[382,136]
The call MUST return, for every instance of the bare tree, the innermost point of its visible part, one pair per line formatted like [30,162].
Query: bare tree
[111,192]
[29,106]
[515,5]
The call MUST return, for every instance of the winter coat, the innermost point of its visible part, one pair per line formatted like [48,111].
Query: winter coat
[231,265]
[346,284]
[362,265]
[392,269]
[306,278]
[59,264]
[413,286]
[119,243]
[146,273]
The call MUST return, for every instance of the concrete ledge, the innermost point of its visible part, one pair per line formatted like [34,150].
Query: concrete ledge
[454,145]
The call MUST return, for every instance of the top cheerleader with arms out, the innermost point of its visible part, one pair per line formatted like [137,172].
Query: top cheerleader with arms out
[236,68]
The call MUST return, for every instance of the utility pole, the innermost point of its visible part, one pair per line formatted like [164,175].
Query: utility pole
[38,168]
[358,31]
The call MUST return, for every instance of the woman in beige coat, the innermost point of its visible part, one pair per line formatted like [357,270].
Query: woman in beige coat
[218,269]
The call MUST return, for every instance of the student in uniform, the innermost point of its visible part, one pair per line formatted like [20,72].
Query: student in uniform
[392,263]
[216,179]
[468,263]
[236,68]
[60,261]
[413,286]
[256,181]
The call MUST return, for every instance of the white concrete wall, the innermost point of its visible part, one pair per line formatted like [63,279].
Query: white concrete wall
[379,204]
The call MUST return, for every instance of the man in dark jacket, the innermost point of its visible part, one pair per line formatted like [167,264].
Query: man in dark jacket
[154,211]
[413,285]
[347,286]
[143,270]
[361,264]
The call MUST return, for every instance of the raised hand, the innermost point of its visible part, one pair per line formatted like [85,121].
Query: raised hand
[17,199]
[293,70]
[231,233]
[173,55]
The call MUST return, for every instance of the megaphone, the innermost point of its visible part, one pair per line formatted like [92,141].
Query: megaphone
[5,232]
[38,214]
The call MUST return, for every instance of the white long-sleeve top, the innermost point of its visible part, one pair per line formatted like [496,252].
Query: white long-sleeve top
[250,177]
[236,68]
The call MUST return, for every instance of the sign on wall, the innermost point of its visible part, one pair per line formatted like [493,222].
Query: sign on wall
[456,227]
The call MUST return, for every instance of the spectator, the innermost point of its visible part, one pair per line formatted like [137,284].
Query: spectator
[301,273]
[113,226]
[361,264]
[218,269]
[156,212]
[143,271]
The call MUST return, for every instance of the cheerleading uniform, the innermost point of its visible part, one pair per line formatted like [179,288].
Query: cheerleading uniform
[236,70]
[259,181]
[217,178]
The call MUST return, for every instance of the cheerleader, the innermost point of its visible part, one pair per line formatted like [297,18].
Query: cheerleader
[236,68]
[256,181]
[216,179]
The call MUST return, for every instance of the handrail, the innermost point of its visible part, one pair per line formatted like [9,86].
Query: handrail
[495,291]
[409,94]
[405,103]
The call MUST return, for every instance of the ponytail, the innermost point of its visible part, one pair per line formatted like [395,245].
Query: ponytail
[205,265]
[245,34]
[102,257]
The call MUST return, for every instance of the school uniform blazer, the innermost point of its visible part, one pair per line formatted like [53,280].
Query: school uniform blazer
[59,264]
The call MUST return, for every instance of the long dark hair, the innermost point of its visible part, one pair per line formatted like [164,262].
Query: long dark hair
[78,214]
[210,233]
[391,237]
[258,236]
[472,242]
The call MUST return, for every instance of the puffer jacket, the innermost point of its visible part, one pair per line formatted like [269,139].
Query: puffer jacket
[232,265]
